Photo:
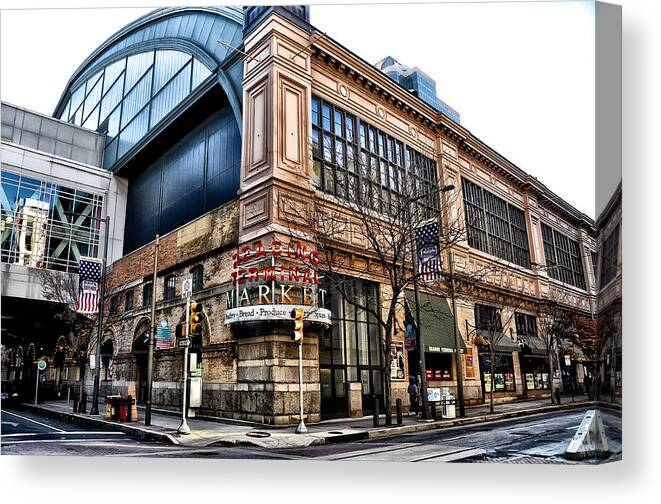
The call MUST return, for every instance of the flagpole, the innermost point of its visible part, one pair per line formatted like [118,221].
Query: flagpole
[102,295]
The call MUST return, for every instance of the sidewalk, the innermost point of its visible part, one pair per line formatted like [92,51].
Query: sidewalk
[220,432]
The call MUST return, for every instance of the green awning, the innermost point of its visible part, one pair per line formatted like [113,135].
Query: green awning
[503,344]
[436,320]
[537,346]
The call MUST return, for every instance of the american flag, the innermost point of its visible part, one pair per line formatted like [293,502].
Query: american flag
[426,240]
[89,281]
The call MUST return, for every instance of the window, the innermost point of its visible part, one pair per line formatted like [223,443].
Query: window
[170,287]
[147,292]
[609,257]
[594,264]
[526,325]
[487,318]
[439,366]
[360,163]
[128,301]
[563,257]
[198,277]
[114,304]
[494,226]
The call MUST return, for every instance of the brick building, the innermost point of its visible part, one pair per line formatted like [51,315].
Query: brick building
[219,141]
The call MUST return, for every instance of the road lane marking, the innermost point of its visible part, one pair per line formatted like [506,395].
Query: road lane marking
[33,421]
[368,451]
[68,433]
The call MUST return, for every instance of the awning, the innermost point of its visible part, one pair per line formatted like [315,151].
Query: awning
[436,320]
[535,346]
[503,344]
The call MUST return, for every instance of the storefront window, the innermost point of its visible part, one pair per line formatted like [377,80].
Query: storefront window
[503,372]
[439,366]
[535,372]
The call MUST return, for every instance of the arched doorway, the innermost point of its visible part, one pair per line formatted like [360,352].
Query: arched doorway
[139,349]
[107,353]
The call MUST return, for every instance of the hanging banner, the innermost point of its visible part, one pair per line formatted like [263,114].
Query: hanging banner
[428,251]
[89,284]
[468,363]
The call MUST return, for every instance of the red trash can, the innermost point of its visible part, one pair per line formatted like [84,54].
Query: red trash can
[123,411]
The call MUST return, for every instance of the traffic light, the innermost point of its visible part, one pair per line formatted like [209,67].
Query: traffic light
[180,331]
[297,315]
[195,319]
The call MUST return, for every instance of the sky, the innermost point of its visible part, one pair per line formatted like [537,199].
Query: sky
[521,74]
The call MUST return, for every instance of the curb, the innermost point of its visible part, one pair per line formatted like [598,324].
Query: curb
[427,426]
[138,432]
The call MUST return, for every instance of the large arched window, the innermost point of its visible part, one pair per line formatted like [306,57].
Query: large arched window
[128,97]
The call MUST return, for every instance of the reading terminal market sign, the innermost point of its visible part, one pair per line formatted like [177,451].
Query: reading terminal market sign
[267,283]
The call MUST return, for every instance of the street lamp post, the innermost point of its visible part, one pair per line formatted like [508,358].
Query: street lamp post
[419,343]
[102,295]
[152,337]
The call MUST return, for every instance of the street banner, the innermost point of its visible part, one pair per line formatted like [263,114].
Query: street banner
[428,250]
[89,285]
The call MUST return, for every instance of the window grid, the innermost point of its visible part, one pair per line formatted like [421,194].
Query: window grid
[358,162]
[47,225]
[198,277]
[609,257]
[147,292]
[563,257]
[526,325]
[98,101]
[494,226]
[170,287]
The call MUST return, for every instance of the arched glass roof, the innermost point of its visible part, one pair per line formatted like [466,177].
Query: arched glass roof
[140,74]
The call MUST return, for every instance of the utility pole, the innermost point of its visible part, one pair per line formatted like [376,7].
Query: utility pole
[99,334]
[457,340]
[152,336]
[183,426]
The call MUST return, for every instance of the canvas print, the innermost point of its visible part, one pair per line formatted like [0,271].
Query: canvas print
[350,233]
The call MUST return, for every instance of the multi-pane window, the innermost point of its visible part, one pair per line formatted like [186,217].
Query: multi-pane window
[350,350]
[147,292]
[609,257]
[360,163]
[526,325]
[198,277]
[563,257]
[46,225]
[494,226]
[128,301]
[129,96]
[169,290]
[487,318]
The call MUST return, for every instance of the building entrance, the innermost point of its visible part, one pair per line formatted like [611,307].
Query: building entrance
[350,350]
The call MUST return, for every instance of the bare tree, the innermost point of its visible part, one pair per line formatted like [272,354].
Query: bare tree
[493,325]
[372,222]
[62,288]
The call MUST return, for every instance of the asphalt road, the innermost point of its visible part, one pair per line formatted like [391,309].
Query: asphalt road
[532,439]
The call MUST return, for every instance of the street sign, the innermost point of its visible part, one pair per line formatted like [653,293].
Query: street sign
[183,342]
[187,286]
[41,365]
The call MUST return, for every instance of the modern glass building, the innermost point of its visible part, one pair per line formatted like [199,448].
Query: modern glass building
[166,93]
[417,82]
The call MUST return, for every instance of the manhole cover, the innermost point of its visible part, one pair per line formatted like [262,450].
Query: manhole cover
[258,434]
[335,432]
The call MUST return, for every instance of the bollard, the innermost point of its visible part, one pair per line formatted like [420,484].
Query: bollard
[375,412]
[398,402]
[83,404]
[433,410]
[75,403]
[557,396]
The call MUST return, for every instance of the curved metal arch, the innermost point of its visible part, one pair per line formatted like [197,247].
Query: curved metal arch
[165,44]
[232,14]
